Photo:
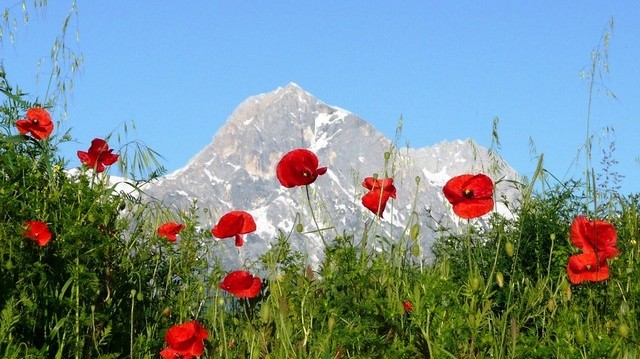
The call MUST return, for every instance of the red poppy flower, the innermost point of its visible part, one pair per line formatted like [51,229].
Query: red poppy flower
[298,168]
[234,224]
[407,306]
[242,284]
[98,156]
[379,192]
[597,240]
[587,267]
[470,195]
[38,231]
[170,230]
[37,122]
[597,237]
[185,341]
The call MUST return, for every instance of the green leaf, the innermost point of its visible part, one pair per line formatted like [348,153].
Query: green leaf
[13,139]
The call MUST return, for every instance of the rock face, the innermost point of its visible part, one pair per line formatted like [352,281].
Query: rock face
[237,172]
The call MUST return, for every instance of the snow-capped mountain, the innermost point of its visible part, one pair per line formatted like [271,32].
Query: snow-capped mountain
[236,171]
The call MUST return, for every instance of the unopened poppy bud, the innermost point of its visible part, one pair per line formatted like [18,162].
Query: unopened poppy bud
[623,329]
[415,251]
[552,236]
[580,337]
[332,322]
[387,155]
[265,312]
[551,305]
[375,176]
[139,297]
[133,293]
[508,248]
[475,283]
[415,231]
[566,288]
[500,279]
[299,228]
[166,312]
[417,179]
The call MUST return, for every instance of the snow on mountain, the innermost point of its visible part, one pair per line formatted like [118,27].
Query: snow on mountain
[236,171]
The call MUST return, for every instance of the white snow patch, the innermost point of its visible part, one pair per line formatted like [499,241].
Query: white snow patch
[438,178]
[323,119]
[235,167]
[262,223]
[209,174]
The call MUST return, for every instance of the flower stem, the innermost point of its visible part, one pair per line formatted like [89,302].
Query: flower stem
[313,216]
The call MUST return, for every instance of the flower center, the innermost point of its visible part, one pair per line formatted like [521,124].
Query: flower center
[306,173]
[467,193]
[35,121]
[589,267]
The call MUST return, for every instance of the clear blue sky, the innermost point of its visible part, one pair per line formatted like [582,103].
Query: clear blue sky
[179,69]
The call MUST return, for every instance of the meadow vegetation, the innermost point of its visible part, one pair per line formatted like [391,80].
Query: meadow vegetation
[91,272]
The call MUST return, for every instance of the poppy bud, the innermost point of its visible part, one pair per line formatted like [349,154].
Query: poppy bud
[508,248]
[332,322]
[265,313]
[552,236]
[415,250]
[133,293]
[415,231]
[500,279]
[387,155]
[580,337]
[475,282]
[623,329]
[299,228]
[551,305]
[139,297]
[566,288]
[417,179]
[166,312]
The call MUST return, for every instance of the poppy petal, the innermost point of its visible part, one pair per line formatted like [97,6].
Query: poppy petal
[594,236]
[239,240]
[586,267]
[376,201]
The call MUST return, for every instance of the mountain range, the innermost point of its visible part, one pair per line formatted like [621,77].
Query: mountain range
[236,171]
